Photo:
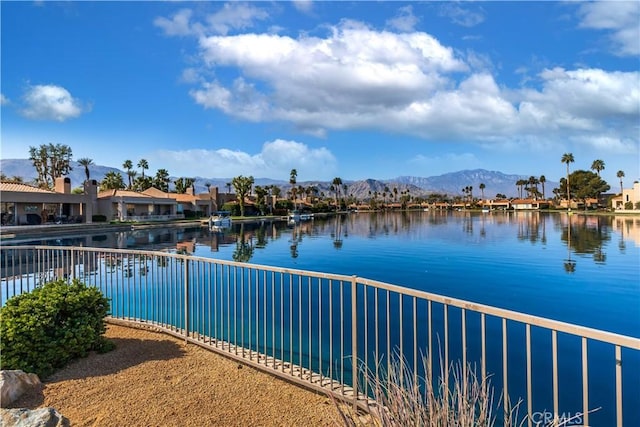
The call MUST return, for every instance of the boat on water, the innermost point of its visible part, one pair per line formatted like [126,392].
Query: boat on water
[297,216]
[485,210]
[220,219]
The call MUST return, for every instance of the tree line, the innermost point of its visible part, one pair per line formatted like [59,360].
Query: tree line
[54,160]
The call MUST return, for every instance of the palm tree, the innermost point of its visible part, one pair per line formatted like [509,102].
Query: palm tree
[86,162]
[132,176]
[542,180]
[293,175]
[128,165]
[161,180]
[337,183]
[533,186]
[597,165]
[143,164]
[620,175]
[482,187]
[568,158]
[228,185]
[520,184]
[112,181]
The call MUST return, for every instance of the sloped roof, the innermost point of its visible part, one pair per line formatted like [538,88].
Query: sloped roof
[22,188]
[121,193]
[155,192]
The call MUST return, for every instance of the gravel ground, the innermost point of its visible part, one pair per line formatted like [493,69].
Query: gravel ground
[152,379]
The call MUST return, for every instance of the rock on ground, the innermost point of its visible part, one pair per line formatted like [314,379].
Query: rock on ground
[14,383]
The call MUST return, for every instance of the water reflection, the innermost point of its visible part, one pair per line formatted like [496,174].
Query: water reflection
[583,236]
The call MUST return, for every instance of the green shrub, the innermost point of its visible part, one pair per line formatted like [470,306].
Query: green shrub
[628,206]
[99,218]
[43,330]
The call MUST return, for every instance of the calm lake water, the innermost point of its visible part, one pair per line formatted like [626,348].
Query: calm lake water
[573,268]
[579,269]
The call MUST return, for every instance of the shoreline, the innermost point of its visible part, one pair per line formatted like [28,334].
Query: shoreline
[10,233]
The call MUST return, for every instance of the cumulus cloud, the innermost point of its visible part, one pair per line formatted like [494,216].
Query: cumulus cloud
[275,160]
[620,18]
[50,102]
[232,16]
[357,77]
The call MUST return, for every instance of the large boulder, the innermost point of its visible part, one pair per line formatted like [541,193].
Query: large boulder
[41,417]
[14,384]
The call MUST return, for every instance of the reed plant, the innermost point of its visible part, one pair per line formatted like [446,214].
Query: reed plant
[457,398]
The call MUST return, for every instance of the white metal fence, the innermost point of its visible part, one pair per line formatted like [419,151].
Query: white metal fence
[320,329]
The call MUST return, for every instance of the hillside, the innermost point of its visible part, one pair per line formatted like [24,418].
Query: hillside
[449,183]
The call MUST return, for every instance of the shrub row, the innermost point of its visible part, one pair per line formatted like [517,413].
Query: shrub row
[43,330]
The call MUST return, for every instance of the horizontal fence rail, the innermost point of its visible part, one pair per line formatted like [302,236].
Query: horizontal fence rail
[342,334]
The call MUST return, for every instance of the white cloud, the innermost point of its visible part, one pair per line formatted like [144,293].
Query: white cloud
[462,16]
[50,102]
[275,160]
[178,25]
[232,16]
[356,77]
[583,100]
[621,18]
[4,100]
[235,16]
[404,21]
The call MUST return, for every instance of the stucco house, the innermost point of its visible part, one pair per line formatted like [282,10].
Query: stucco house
[628,195]
[127,205]
[202,204]
[23,204]
[530,204]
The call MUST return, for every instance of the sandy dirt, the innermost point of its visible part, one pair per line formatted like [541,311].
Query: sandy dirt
[152,379]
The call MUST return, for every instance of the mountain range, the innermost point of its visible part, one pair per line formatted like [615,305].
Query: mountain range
[450,183]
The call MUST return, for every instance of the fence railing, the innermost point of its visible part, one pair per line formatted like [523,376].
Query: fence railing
[325,331]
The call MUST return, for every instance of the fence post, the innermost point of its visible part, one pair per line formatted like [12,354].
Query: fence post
[186,298]
[73,264]
[354,340]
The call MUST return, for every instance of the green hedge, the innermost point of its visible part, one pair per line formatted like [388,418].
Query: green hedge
[99,218]
[43,330]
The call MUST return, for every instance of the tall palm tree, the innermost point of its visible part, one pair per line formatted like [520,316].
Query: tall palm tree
[293,175]
[132,176]
[597,165]
[620,175]
[337,184]
[482,187]
[85,162]
[143,164]
[568,158]
[128,165]
[161,180]
[228,185]
[542,180]
[533,186]
[520,184]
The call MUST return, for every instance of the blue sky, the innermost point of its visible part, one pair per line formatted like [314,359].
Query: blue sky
[351,89]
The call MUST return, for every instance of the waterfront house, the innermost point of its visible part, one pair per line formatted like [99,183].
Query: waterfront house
[190,204]
[631,195]
[529,204]
[23,204]
[500,204]
[127,205]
